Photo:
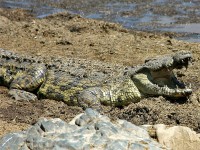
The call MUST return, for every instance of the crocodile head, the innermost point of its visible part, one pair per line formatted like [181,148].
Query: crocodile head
[156,76]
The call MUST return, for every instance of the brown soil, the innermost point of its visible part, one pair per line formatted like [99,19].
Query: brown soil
[66,35]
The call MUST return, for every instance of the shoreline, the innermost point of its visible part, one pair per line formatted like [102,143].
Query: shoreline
[66,35]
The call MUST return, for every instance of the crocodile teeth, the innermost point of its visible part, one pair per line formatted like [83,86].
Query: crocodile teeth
[186,66]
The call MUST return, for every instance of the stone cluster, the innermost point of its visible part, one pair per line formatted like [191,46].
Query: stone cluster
[86,131]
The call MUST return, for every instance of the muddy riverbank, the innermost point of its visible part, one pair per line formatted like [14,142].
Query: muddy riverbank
[179,16]
[66,35]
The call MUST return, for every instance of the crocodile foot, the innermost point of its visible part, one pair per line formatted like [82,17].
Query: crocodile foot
[22,95]
[88,99]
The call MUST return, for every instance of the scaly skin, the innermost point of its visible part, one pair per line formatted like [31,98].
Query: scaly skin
[89,83]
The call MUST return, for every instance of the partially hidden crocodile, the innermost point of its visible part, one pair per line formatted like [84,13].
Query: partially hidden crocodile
[88,83]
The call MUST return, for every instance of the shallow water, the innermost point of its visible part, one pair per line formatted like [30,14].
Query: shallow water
[181,16]
[191,28]
[39,9]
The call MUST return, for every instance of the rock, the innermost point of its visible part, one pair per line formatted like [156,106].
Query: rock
[117,145]
[89,130]
[177,137]
[14,140]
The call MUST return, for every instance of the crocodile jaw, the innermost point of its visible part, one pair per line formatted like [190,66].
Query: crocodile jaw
[160,80]
[147,86]
[168,85]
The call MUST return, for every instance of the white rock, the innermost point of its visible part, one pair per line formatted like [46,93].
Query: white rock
[178,137]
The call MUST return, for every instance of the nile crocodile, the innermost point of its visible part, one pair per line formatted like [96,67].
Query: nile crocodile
[88,83]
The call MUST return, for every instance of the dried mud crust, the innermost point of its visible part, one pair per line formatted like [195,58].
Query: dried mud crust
[66,35]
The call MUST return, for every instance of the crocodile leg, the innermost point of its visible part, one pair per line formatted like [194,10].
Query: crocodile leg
[120,94]
[25,83]
[22,95]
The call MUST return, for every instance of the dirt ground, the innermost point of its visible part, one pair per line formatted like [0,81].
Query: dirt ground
[65,35]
